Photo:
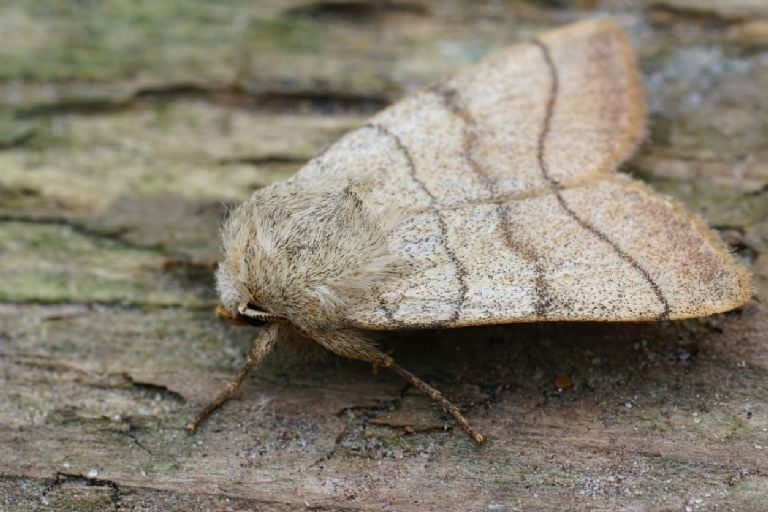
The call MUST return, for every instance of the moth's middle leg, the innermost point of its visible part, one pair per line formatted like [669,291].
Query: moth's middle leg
[354,347]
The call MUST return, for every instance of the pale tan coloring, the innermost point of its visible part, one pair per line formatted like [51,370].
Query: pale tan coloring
[490,197]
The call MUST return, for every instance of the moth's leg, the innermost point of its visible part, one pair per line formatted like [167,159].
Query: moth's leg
[355,347]
[437,396]
[261,346]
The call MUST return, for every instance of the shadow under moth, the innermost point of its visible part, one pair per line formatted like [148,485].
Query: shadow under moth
[488,198]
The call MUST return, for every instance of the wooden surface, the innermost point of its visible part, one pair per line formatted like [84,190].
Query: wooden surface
[125,130]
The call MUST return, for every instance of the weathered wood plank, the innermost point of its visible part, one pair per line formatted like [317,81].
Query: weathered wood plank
[122,140]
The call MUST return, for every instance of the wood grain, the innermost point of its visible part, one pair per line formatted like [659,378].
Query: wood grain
[106,351]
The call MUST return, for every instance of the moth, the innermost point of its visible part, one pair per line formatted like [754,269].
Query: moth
[490,197]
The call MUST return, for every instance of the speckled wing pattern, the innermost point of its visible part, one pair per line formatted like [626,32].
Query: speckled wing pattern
[516,212]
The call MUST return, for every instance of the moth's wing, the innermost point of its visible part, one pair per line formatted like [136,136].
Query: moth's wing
[610,249]
[477,136]
[506,171]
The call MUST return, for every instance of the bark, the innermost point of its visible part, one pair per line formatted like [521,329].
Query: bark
[127,128]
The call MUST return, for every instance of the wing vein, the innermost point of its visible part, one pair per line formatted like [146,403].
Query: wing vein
[461,271]
[556,188]
[453,102]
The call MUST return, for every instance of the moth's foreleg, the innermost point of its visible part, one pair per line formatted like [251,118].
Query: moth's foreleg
[261,346]
[356,347]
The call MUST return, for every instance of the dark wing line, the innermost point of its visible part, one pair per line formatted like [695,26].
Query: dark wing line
[555,185]
[453,102]
[461,271]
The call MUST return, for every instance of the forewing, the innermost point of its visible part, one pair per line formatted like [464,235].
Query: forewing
[610,250]
[506,172]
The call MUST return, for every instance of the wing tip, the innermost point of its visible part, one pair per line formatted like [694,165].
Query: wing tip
[636,129]
[736,276]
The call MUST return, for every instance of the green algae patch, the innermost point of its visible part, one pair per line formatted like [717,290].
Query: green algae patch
[188,149]
[54,263]
[120,39]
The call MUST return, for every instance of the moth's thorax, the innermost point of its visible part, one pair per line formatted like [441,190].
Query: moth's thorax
[302,253]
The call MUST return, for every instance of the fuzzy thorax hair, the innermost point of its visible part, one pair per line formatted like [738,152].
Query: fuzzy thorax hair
[304,254]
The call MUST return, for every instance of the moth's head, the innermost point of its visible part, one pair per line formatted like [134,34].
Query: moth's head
[239,303]
[236,308]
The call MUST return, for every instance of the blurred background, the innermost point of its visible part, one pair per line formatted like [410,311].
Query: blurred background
[128,126]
